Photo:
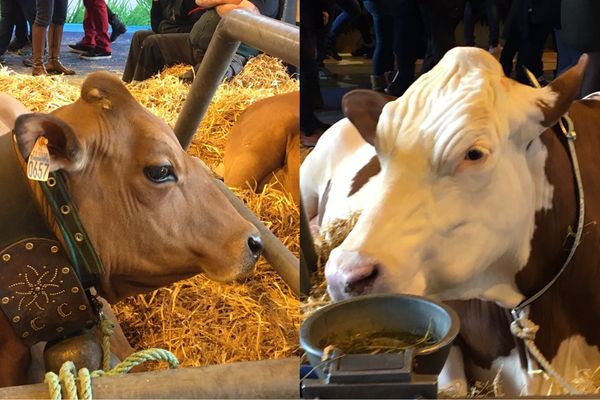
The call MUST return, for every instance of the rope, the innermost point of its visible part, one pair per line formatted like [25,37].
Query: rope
[108,328]
[81,387]
[526,329]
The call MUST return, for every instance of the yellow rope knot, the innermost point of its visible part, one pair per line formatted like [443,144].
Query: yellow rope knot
[524,328]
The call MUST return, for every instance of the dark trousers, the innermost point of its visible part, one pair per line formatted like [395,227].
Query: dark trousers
[491,11]
[309,73]
[47,11]
[9,10]
[528,48]
[398,32]
[351,14]
[440,19]
[20,25]
[150,52]
[95,25]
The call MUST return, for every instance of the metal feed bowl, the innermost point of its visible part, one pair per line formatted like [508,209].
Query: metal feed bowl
[385,313]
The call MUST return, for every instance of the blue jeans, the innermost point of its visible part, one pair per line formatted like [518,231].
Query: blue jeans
[397,24]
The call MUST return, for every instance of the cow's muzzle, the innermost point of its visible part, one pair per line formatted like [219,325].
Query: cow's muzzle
[350,273]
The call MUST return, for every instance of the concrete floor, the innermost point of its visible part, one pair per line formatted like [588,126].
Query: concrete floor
[116,64]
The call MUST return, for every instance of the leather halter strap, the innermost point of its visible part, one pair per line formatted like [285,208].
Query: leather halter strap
[566,125]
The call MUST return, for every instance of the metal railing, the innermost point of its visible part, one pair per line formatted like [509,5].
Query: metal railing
[275,38]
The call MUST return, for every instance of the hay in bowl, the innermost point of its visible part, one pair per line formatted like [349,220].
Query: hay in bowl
[200,321]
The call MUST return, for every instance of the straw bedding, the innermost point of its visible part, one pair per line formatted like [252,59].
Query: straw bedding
[200,321]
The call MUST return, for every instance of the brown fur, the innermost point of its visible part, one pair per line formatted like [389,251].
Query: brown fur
[264,140]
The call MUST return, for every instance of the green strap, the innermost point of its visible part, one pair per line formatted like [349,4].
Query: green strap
[81,251]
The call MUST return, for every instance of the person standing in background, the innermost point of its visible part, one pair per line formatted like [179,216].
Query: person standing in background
[96,44]
[314,14]
[50,15]
[493,20]
[581,31]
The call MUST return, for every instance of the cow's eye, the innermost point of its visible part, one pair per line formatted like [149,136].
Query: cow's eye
[160,174]
[474,155]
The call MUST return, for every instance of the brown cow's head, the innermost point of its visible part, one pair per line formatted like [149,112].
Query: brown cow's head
[462,176]
[152,211]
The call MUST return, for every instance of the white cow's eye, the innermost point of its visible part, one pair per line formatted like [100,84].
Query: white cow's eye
[474,154]
[160,174]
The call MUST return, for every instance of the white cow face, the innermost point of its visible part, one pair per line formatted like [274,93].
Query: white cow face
[462,175]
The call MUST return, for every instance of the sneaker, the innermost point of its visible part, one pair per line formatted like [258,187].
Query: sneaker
[118,28]
[96,54]
[79,48]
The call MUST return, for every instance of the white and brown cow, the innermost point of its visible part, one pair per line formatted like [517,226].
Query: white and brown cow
[467,195]
[152,213]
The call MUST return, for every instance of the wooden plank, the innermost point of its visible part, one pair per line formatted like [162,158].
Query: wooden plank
[253,379]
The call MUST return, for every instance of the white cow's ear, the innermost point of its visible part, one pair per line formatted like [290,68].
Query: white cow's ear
[567,87]
[63,146]
[363,108]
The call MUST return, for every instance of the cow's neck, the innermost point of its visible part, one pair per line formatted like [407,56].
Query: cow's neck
[568,307]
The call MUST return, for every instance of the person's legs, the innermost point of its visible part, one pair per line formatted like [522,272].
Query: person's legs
[7,23]
[98,24]
[383,57]
[20,25]
[440,23]
[405,25]
[591,79]
[117,26]
[43,15]
[531,51]
[135,49]
[162,50]
[491,10]
[89,32]
[469,24]
[55,34]
[567,56]
[310,126]
[203,30]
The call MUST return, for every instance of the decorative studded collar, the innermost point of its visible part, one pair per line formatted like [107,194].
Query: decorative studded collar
[44,279]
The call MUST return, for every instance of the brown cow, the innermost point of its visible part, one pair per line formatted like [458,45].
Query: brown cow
[152,213]
[265,142]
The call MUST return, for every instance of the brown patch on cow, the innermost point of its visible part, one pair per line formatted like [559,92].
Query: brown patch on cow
[323,203]
[484,331]
[372,168]
[572,305]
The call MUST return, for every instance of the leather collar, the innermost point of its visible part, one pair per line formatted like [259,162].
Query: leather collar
[44,279]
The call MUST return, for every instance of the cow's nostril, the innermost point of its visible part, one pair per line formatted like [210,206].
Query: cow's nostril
[256,246]
[360,282]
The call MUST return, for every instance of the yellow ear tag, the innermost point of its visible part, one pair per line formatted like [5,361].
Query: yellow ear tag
[38,165]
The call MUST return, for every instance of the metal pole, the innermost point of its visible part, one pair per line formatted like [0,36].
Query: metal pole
[254,379]
[275,38]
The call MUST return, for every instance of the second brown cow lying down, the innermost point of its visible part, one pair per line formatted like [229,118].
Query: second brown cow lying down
[265,144]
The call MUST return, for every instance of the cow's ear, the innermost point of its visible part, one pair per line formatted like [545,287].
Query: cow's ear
[63,146]
[363,108]
[567,86]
